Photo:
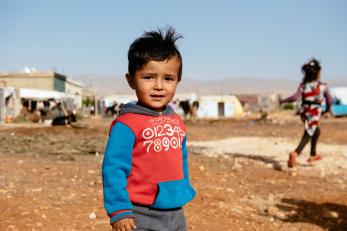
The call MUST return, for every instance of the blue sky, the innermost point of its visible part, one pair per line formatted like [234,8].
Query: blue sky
[222,39]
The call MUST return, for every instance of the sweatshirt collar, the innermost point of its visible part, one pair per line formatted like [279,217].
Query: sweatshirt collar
[138,109]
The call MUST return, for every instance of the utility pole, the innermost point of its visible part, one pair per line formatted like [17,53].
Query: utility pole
[96,104]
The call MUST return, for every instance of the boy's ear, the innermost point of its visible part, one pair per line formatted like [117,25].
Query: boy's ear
[130,81]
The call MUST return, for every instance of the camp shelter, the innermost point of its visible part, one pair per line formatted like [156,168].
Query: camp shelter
[16,97]
[45,81]
[36,94]
[43,95]
[340,94]
[3,93]
[35,80]
[339,106]
[119,99]
[219,106]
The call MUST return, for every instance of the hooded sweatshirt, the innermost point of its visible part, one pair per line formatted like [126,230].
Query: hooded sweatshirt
[145,162]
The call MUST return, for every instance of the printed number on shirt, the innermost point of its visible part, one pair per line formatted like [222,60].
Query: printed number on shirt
[160,138]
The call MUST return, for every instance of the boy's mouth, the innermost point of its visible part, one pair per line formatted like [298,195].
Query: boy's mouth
[157,97]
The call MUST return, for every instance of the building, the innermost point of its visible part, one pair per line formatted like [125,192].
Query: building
[2,105]
[35,80]
[210,106]
[33,87]
[74,90]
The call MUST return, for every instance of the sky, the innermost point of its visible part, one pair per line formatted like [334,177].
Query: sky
[222,39]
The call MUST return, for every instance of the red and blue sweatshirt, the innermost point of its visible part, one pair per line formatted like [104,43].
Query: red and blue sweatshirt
[145,162]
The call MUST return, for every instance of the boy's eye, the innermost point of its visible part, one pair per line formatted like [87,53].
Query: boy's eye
[169,79]
[148,77]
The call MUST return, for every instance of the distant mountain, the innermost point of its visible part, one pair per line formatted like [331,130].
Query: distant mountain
[107,85]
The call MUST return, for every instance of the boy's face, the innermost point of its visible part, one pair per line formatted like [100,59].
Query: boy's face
[155,84]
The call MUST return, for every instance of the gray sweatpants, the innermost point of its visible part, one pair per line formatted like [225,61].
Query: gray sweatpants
[159,220]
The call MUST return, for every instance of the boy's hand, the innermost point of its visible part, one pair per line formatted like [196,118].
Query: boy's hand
[126,224]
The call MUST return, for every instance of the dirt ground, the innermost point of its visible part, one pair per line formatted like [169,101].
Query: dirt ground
[50,178]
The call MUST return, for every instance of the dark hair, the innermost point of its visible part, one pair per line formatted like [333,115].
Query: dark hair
[154,45]
[311,70]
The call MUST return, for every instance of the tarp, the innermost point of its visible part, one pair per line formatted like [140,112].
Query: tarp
[339,93]
[2,105]
[36,94]
[8,91]
[339,110]
[110,100]
[219,106]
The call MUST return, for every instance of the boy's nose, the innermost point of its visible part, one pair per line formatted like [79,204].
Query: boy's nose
[158,84]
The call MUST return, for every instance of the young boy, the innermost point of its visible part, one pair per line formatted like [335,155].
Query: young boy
[145,168]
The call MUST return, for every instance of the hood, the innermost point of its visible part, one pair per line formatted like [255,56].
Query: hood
[138,109]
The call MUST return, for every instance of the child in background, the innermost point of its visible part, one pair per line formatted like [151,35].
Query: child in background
[145,169]
[313,93]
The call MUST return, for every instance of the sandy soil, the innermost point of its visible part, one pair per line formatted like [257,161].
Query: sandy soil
[50,177]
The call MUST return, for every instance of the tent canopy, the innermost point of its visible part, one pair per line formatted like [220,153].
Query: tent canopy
[8,91]
[36,94]
[339,93]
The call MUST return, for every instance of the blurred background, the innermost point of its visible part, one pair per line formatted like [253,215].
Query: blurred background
[62,82]
[78,49]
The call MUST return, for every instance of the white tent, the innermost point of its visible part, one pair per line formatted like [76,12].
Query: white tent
[121,98]
[219,106]
[209,106]
[339,93]
[8,91]
[36,94]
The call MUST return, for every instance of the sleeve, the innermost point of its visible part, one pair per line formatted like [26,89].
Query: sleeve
[116,168]
[328,100]
[185,158]
[293,97]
